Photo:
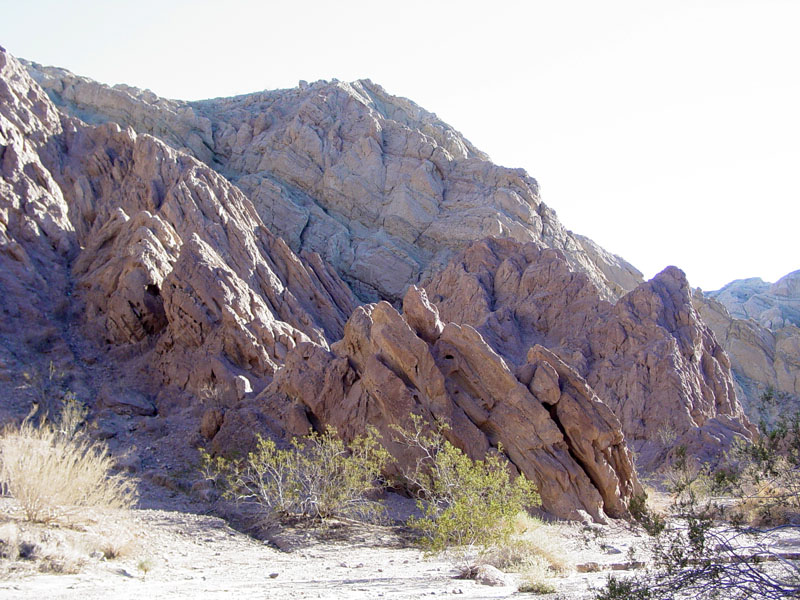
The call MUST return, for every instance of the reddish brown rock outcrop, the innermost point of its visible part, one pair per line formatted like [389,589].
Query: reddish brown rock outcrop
[162,261]
[124,258]
[389,366]
[649,357]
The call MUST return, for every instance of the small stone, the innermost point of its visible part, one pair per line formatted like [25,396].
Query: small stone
[492,576]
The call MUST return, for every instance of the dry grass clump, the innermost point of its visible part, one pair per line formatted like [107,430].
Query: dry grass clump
[766,507]
[113,543]
[535,551]
[51,472]
[52,469]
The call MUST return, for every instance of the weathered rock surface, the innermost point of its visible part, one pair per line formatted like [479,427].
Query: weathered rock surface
[762,358]
[36,235]
[388,367]
[145,275]
[383,190]
[771,305]
[648,357]
[161,260]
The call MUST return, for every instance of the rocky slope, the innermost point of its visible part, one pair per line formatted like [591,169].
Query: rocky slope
[157,289]
[757,324]
[126,258]
[383,190]
[648,356]
[552,427]
[151,251]
[771,305]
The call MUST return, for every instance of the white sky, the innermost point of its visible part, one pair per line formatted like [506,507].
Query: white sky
[667,131]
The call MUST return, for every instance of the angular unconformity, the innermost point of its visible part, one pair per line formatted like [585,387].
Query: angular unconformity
[383,190]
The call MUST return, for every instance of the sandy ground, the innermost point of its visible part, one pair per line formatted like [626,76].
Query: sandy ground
[171,554]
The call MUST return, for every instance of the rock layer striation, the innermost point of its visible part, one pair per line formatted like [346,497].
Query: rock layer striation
[383,190]
[648,356]
[550,423]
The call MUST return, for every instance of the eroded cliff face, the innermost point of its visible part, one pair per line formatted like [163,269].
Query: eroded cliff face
[157,287]
[155,282]
[649,357]
[151,251]
[383,190]
[762,339]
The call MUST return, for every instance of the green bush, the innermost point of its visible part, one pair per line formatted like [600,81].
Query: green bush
[764,475]
[652,522]
[466,505]
[318,476]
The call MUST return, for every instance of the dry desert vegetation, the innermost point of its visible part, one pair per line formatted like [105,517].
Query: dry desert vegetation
[315,520]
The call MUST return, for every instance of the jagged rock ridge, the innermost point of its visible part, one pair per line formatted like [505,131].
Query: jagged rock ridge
[649,357]
[122,250]
[155,253]
[383,190]
[771,305]
[169,272]
[389,366]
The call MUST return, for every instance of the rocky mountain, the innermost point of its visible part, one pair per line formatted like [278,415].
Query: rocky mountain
[382,189]
[199,268]
[771,305]
[155,254]
[757,324]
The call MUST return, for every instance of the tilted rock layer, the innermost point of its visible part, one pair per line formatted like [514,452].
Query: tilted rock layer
[389,366]
[159,253]
[165,267]
[383,190]
[648,356]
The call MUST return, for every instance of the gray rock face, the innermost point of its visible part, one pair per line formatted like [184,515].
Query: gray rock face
[757,324]
[383,190]
[771,305]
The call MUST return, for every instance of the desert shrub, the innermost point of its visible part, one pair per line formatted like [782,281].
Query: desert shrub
[763,475]
[532,584]
[652,522]
[709,549]
[467,506]
[697,556]
[623,589]
[52,468]
[318,476]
